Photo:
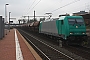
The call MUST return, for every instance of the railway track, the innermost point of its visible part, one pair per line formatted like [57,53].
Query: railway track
[53,46]
[78,50]
[46,51]
[81,51]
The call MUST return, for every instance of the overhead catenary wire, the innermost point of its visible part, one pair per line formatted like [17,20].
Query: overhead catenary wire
[30,6]
[66,5]
[51,11]
[60,1]
[27,9]
[35,5]
[28,3]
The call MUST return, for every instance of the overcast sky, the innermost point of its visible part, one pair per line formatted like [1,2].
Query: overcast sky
[19,8]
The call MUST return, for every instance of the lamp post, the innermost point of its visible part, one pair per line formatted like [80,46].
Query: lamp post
[9,21]
[6,15]
[6,12]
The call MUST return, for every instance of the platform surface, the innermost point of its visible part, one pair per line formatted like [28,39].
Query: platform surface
[14,47]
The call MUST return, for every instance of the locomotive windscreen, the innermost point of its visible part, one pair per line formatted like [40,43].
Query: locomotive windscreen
[75,21]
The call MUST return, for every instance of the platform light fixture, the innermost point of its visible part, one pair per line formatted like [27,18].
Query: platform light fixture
[6,15]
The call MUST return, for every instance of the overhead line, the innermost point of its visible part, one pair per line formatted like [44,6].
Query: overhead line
[36,5]
[26,9]
[27,6]
[54,5]
[31,6]
[65,5]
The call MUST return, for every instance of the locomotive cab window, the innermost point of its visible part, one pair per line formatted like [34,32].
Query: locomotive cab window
[71,21]
[79,21]
[75,21]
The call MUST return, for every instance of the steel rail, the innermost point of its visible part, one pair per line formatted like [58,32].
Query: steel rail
[51,47]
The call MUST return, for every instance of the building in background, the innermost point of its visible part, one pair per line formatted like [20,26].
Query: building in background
[85,15]
[80,13]
[86,18]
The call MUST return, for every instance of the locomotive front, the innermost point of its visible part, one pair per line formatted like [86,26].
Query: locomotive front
[77,30]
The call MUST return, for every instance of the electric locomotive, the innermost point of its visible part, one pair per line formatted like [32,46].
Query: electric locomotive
[70,28]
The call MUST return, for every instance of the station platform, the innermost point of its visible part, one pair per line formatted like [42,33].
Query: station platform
[14,47]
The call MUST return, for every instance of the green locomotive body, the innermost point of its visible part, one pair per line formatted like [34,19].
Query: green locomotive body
[70,28]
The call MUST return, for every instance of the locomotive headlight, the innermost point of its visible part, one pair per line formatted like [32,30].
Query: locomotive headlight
[71,33]
[83,33]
